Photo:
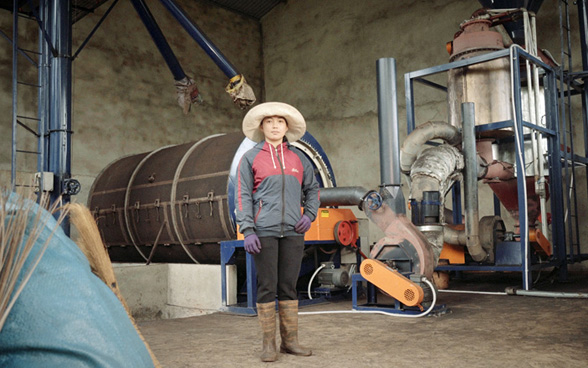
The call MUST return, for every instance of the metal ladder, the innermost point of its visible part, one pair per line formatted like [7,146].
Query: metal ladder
[27,122]
[566,121]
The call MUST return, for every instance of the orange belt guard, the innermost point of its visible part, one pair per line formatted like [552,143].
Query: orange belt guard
[392,282]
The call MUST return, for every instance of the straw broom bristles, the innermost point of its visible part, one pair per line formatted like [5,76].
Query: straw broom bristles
[17,213]
[91,244]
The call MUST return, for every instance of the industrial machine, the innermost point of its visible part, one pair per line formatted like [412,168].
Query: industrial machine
[504,103]
[503,130]
[176,204]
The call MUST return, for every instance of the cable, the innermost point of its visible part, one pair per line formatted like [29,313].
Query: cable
[382,312]
[312,278]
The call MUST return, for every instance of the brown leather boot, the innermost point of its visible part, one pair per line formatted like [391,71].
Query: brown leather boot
[266,312]
[289,328]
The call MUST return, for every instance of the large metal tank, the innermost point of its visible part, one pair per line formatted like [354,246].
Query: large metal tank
[486,84]
[175,204]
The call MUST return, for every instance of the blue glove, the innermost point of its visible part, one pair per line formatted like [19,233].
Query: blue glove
[252,244]
[302,225]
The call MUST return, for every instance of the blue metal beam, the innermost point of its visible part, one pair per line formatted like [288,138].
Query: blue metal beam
[159,39]
[94,30]
[14,91]
[199,36]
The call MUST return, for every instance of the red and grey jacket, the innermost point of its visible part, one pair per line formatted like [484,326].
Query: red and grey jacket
[270,184]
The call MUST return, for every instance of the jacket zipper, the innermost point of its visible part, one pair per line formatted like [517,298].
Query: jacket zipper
[283,194]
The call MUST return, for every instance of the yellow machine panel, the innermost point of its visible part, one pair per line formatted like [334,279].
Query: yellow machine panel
[392,282]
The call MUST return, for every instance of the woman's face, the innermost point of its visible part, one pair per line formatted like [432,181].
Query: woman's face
[274,128]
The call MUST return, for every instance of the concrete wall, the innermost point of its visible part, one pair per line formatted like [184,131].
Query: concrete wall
[124,99]
[322,59]
[318,56]
[174,290]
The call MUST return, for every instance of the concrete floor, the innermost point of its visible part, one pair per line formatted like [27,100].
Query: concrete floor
[479,331]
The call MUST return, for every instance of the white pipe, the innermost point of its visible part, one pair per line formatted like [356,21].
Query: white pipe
[312,278]
[474,292]
[382,312]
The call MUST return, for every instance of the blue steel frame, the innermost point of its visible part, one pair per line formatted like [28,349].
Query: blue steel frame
[227,249]
[551,132]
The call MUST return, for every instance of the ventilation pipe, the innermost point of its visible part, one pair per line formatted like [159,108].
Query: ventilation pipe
[390,175]
[343,196]
[421,135]
[388,134]
[471,184]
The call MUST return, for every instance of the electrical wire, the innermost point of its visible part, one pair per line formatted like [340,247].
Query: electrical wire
[382,312]
[312,278]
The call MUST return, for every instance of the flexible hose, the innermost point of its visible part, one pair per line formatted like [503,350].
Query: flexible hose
[382,312]
[312,278]
[545,294]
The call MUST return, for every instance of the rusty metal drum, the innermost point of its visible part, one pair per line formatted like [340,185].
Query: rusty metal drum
[175,204]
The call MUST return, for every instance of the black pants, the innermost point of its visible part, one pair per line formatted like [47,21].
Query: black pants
[278,266]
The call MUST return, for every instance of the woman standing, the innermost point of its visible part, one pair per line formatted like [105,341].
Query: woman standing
[274,181]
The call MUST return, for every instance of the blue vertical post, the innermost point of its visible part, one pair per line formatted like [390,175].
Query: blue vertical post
[59,123]
[558,237]
[409,92]
[43,79]
[521,175]
[14,91]
[583,23]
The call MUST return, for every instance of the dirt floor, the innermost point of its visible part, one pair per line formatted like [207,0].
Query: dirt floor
[478,331]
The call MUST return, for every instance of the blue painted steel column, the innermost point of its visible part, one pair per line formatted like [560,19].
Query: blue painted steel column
[558,237]
[59,149]
[14,91]
[583,21]
[199,36]
[409,93]
[43,98]
[521,175]
[159,39]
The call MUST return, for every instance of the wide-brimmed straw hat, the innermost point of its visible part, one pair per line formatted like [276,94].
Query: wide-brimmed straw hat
[253,118]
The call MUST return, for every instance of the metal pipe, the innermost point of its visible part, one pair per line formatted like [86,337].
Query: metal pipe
[471,184]
[388,132]
[453,236]
[343,196]
[158,37]
[199,36]
[421,135]
[545,294]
